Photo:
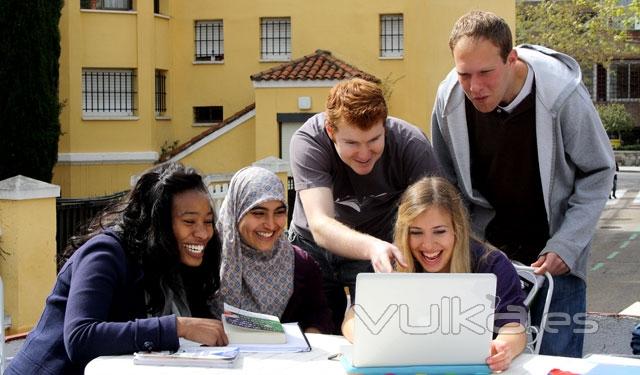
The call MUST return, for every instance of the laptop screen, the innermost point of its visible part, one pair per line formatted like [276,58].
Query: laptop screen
[404,319]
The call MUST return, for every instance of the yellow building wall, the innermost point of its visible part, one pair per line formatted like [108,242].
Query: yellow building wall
[109,40]
[270,102]
[144,41]
[28,264]
[228,153]
[136,40]
[349,30]
[85,181]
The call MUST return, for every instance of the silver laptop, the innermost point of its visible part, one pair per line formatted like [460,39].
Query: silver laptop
[404,319]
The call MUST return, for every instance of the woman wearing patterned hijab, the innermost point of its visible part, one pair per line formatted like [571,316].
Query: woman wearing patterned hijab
[261,271]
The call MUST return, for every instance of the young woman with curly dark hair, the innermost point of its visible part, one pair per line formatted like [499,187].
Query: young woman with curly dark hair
[140,278]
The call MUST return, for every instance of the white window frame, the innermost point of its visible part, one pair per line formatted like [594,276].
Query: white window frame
[612,89]
[391,35]
[108,92]
[275,38]
[209,40]
[114,5]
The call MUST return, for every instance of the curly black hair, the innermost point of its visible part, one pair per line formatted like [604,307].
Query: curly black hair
[143,221]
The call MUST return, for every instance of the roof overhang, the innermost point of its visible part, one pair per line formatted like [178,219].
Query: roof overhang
[295,83]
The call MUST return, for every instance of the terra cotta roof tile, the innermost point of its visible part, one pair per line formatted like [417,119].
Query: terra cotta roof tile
[320,65]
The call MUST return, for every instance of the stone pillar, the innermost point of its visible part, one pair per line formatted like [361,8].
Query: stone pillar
[28,243]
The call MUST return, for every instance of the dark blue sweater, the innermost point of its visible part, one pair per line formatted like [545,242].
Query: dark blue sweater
[97,307]
[509,295]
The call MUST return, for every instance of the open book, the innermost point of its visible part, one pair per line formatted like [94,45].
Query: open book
[246,327]
[198,356]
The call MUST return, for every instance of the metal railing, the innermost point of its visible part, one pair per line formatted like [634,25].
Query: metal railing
[73,215]
[391,35]
[275,38]
[209,40]
[161,92]
[108,92]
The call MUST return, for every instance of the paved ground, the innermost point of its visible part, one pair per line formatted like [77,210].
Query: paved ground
[613,334]
[614,269]
[613,281]
[12,347]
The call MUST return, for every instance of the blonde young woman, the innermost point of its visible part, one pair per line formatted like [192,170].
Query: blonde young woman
[432,231]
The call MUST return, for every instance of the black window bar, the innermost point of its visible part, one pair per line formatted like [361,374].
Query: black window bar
[209,41]
[108,92]
[275,38]
[601,83]
[391,35]
[161,93]
[106,4]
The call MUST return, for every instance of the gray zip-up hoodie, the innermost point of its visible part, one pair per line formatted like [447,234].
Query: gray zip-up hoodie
[574,154]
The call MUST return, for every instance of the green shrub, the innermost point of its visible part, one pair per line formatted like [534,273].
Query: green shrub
[634,147]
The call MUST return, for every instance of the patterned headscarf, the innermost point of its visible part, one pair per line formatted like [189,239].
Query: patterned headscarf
[250,279]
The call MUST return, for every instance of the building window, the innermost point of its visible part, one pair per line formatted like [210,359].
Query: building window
[391,35]
[207,115]
[156,6]
[161,92]
[275,38]
[108,92]
[600,84]
[209,41]
[106,4]
[624,80]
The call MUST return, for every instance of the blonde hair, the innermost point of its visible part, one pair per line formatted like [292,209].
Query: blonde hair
[357,101]
[424,194]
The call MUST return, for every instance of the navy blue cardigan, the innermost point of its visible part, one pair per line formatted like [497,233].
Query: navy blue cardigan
[97,307]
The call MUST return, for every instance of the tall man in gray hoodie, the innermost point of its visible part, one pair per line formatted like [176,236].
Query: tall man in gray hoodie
[516,130]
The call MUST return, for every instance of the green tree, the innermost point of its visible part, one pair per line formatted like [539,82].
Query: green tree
[591,31]
[615,118]
[29,106]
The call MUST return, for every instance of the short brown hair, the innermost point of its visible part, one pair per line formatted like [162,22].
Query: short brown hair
[356,101]
[483,25]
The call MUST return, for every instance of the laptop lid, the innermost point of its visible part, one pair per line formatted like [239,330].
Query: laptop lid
[404,319]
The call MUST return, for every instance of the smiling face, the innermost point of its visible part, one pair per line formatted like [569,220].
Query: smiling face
[261,227]
[432,240]
[359,149]
[486,79]
[192,222]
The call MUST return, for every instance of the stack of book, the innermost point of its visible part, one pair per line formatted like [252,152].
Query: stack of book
[197,356]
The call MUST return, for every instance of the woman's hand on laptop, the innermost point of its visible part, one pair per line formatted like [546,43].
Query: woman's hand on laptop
[501,356]
[510,342]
